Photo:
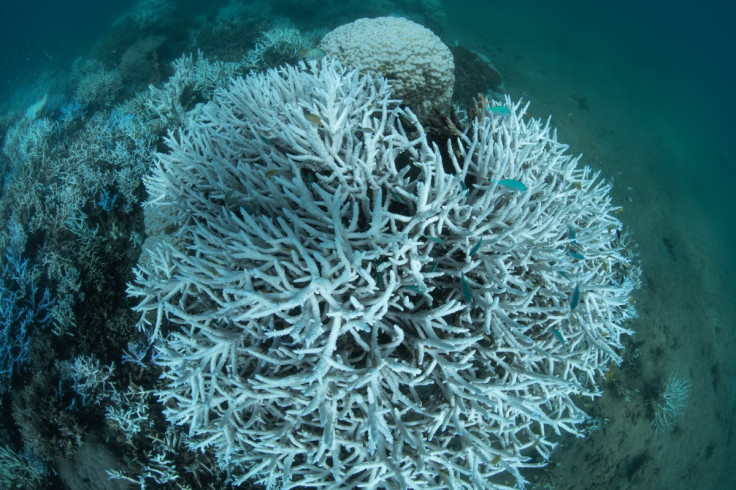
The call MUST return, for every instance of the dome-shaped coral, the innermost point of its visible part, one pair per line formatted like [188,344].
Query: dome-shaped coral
[418,64]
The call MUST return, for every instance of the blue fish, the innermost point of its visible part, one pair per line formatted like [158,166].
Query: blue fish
[499,110]
[416,289]
[575,297]
[571,233]
[512,184]
[434,267]
[396,196]
[466,289]
[475,248]
[575,255]
[559,336]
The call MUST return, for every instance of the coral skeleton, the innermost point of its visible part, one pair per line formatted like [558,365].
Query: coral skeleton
[336,302]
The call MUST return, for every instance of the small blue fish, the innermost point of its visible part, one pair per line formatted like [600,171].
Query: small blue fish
[475,248]
[559,336]
[575,255]
[434,239]
[266,140]
[571,233]
[499,110]
[434,267]
[466,289]
[396,196]
[512,184]
[575,297]
[465,188]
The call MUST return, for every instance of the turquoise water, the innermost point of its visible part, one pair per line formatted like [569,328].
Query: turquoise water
[643,90]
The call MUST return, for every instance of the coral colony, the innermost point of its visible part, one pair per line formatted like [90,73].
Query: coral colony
[670,404]
[24,309]
[336,302]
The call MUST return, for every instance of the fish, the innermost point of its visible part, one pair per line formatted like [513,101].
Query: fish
[271,173]
[266,140]
[512,184]
[434,239]
[416,289]
[575,297]
[434,267]
[396,196]
[559,336]
[466,289]
[571,233]
[476,247]
[575,255]
[313,118]
[499,110]
[313,54]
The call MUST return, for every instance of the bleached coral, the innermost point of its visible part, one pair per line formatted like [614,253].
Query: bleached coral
[148,13]
[192,75]
[671,403]
[20,470]
[420,66]
[276,45]
[91,379]
[337,303]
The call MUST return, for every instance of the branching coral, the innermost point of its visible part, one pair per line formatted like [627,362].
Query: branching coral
[337,303]
[24,309]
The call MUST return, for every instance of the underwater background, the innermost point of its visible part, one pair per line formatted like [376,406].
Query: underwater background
[644,90]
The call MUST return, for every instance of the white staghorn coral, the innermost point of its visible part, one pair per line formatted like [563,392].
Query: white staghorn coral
[337,304]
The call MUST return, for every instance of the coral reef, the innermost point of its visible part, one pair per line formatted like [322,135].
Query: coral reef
[278,45]
[20,470]
[24,309]
[336,302]
[150,13]
[140,62]
[419,65]
[332,294]
[97,86]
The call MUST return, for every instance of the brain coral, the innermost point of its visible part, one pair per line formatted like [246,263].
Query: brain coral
[419,65]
